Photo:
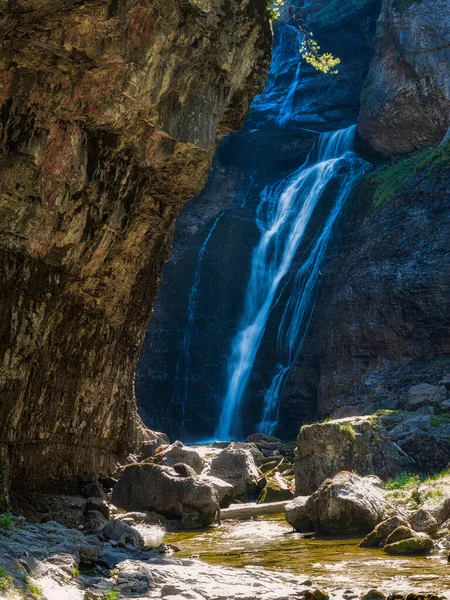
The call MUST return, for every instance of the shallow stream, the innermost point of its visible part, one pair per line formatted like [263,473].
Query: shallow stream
[331,563]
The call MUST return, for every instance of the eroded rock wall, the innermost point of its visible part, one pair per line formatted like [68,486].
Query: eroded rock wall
[405,103]
[110,114]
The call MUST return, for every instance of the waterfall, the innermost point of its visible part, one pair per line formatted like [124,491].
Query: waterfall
[283,215]
[181,381]
[277,99]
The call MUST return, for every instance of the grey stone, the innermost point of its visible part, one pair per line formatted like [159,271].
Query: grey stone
[382,531]
[419,544]
[225,491]
[179,453]
[346,504]
[237,467]
[296,515]
[422,520]
[352,444]
[424,394]
[148,487]
[120,532]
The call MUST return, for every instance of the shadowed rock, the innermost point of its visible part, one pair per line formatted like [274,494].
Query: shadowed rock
[148,487]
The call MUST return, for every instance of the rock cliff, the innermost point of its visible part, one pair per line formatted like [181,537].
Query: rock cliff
[383,297]
[110,114]
[405,103]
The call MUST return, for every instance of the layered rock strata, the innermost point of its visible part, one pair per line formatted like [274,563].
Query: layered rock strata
[110,114]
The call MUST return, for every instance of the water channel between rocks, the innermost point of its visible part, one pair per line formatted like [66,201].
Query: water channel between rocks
[332,563]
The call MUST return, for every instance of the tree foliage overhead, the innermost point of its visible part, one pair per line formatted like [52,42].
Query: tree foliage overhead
[309,49]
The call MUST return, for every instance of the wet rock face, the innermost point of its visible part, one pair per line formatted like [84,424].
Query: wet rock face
[383,299]
[110,113]
[406,97]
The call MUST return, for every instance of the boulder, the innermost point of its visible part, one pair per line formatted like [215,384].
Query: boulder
[276,489]
[422,520]
[120,532]
[178,453]
[225,491]
[399,534]
[424,394]
[356,444]
[382,531]
[268,445]
[253,449]
[296,515]
[99,505]
[149,487]
[346,504]
[419,544]
[237,467]
[424,438]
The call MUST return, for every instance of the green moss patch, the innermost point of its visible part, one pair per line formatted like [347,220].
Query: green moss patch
[386,181]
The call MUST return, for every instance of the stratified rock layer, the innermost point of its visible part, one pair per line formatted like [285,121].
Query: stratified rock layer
[110,113]
[406,97]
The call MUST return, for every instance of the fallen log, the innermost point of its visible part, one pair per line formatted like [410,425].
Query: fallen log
[247,511]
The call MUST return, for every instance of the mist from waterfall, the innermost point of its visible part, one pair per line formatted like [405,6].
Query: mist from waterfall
[283,215]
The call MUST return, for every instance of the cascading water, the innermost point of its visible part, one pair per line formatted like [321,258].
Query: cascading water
[283,216]
[181,381]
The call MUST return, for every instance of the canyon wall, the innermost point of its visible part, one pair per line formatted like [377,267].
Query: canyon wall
[110,114]
[405,104]
[182,375]
[381,322]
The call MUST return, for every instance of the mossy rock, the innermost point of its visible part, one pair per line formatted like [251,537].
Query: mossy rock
[418,545]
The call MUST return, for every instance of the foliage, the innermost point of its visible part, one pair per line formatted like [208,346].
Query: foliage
[33,591]
[325,62]
[75,572]
[272,7]
[438,420]
[310,49]
[403,481]
[112,595]
[87,567]
[387,181]
[6,521]
[5,579]
[350,431]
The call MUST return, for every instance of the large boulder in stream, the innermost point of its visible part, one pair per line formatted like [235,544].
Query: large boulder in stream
[346,504]
[173,494]
[352,444]
[237,467]
[382,531]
